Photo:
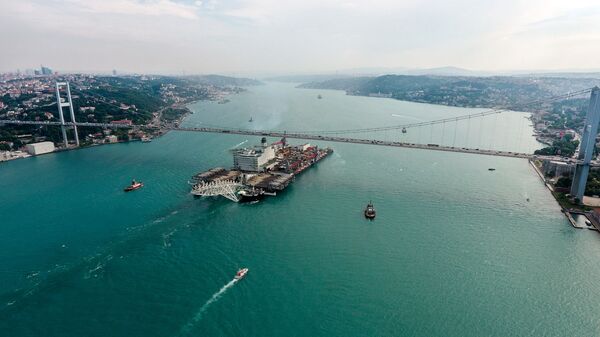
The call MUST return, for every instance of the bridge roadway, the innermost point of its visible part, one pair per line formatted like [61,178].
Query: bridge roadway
[279,134]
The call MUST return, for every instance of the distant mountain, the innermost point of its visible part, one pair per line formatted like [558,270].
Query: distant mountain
[465,91]
[581,75]
[219,80]
[306,78]
[439,71]
[444,71]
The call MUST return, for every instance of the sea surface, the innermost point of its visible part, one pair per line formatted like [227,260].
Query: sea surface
[455,250]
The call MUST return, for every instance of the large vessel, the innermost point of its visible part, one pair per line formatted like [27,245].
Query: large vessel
[134,186]
[241,273]
[370,211]
[258,171]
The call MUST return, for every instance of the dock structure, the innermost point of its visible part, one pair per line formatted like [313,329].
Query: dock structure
[260,170]
[216,174]
[270,182]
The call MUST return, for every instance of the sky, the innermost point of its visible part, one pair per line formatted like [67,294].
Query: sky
[295,37]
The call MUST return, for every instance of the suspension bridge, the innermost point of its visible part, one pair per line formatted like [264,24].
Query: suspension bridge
[293,135]
[392,135]
[373,135]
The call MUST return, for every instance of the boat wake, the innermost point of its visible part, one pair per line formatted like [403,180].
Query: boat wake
[198,316]
[405,116]
[240,144]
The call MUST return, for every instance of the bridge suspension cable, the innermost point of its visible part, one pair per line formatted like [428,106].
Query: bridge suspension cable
[450,119]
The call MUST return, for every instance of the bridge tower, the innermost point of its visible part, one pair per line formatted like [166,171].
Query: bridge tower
[588,143]
[69,103]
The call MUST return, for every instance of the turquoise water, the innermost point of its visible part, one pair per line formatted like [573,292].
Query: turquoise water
[456,250]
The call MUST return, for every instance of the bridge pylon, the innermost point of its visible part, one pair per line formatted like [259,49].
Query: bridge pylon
[69,103]
[588,143]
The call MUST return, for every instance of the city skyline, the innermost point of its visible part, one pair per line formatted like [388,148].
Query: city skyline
[254,37]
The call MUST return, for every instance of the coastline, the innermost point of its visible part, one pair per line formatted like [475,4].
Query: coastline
[159,131]
[532,113]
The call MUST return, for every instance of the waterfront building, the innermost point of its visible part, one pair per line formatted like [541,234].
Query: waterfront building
[555,168]
[112,139]
[35,149]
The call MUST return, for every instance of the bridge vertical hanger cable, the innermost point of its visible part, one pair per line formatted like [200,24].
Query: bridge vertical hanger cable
[493,135]
[479,133]
[520,134]
[443,132]
[468,132]
[506,135]
[454,139]
[431,135]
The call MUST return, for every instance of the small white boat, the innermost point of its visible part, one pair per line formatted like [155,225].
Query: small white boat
[241,273]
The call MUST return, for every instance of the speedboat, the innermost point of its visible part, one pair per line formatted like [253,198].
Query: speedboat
[134,186]
[370,211]
[241,273]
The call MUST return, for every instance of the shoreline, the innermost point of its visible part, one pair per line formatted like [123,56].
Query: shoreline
[158,133]
[532,113]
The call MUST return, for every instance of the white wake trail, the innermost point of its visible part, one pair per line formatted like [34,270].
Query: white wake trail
[240,144]
[198,316]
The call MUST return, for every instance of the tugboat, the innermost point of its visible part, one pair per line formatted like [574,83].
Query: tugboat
[370,211]
[248,195]
[241,273]
[134,186]
[491,169]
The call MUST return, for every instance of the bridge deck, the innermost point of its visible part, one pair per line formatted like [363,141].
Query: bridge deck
[279,134]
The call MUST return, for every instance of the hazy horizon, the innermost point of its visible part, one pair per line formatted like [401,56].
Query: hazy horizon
[267,37]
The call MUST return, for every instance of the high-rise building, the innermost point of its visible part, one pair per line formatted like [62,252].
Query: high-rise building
[114,72]
[46,71]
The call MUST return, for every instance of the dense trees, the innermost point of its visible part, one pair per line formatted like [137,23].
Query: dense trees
[562,147]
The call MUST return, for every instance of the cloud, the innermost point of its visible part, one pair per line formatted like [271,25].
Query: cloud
[137,7]
[298,36]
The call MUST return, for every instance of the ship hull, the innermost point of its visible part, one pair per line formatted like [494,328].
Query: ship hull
[250,198]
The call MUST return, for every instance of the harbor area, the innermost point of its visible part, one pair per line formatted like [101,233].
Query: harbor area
[258,171]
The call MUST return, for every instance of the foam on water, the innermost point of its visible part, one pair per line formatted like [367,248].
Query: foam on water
[198,316]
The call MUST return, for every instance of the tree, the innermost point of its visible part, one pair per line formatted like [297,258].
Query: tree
[563,182]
